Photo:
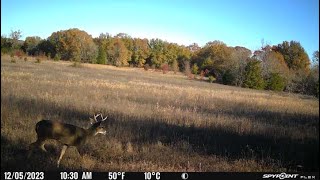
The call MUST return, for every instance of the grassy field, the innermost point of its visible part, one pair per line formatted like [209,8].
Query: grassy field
[157,122]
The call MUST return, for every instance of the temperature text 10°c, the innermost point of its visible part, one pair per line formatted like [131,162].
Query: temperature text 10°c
[151,175]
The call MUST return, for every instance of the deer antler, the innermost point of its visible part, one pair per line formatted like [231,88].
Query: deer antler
[95,116]
[103,119]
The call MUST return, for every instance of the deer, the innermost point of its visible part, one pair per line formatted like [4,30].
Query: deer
[67,134]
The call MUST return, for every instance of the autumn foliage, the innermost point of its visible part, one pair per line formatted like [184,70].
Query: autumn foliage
[285,66]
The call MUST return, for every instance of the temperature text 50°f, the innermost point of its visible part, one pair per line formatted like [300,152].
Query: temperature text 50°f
[116,175]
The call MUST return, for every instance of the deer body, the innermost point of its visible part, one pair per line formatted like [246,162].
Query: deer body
[67,134]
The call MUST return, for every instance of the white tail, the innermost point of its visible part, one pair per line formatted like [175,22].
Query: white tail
[67,134]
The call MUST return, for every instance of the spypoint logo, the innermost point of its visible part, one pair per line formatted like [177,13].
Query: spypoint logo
[280,176]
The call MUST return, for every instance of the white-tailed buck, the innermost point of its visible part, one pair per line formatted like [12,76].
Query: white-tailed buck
[67,134]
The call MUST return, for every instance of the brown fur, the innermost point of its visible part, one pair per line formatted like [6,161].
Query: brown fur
[67,134]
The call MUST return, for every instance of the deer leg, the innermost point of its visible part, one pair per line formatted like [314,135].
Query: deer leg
[80,153]
[30,149]
[80,150]
[64,148]
[41,145]
[38,144]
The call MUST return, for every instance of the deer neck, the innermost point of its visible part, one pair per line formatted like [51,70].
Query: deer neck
[91,132]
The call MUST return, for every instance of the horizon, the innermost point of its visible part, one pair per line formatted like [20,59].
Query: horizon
[178,22]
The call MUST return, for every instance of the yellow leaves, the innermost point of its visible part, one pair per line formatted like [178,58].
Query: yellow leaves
[72,43]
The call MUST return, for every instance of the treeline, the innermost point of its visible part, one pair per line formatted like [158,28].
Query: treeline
[282,67]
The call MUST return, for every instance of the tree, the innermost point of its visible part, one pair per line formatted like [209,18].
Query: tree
[105,41]
[15,36]
[30,45]
[215,57]
[313,78]
[141,52]
[194,47]
[104,36]
[315,67]
[294,55]
[253,77]
[162,52]
[274,63]
[228,77]
[102,56]
[234,75]
[187,70]
[184,54]
[315,58]
[45,46]
[157,56]
[118,53]
[276,82]
[6,44]
[102,40]
[274,69]
[171,52]
[74,44]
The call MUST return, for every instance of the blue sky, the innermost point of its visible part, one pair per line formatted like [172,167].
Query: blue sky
[235,22]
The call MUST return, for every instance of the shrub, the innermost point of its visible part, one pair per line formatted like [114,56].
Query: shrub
[25,59]
[38,60]
[13,60]
[18,53]
[195,69]
[57,57]
[228,78]
[201,75]
[175,66]
[49,56]
[42,56]
[276,82]
[191,76]
[165,68]
[76,64]
[187,70]
[211,79]
[146,67]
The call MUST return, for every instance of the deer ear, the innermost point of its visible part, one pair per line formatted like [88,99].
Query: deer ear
[92,121]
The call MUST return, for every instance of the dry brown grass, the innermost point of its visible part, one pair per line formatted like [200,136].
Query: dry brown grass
[157,122]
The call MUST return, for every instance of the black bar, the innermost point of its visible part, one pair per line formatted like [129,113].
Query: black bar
[56,175]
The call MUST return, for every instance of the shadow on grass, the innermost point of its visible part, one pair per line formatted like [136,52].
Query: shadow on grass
[236,110]
[13,157]
[207,141]
[285,152]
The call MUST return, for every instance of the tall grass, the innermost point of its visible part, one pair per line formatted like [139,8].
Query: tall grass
[157,122]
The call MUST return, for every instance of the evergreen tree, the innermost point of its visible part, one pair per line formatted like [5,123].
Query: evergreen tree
[276,82]
[253,76]
[102,56]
